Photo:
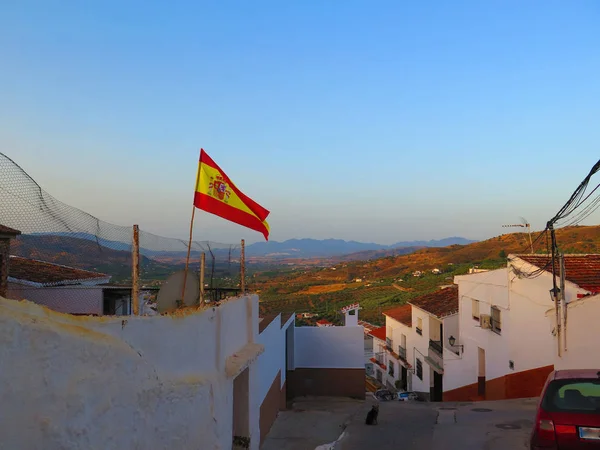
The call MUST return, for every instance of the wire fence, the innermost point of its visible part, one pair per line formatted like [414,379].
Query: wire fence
[73,262]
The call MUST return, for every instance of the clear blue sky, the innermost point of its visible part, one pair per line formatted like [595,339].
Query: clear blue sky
[372,121]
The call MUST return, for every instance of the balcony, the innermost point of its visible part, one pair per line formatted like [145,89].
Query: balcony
[389,343]
[402,352]
[419,331]
[436,346]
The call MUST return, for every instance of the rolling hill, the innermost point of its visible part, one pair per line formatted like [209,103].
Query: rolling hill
[387,281]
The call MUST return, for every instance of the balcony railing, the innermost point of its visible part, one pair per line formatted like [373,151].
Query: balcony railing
[389,343]
[436,346]
[402,352]
[419,331]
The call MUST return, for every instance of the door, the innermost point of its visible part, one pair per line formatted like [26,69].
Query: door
[404,379]
[481,372]
[438,388]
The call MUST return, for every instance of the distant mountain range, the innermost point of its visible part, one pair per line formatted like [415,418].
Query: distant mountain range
[292,248]
[314,248]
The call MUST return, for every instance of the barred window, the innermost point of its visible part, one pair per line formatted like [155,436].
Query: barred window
[419,369]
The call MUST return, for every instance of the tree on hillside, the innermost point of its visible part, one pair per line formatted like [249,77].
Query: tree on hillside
[502,254]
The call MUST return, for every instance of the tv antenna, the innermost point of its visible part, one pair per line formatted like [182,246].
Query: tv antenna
[524,224]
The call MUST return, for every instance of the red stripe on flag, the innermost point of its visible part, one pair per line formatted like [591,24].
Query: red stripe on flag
[260,212]
[227,212]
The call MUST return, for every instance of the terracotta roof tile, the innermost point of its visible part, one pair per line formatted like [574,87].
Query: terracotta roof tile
[48,274]
[8,230]
[378,333]
[324,322]
[441,303]
[402,314]
[583,270]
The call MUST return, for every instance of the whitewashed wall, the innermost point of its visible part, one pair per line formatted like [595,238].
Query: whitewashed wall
[115,383]
[329,347]
[419,348]
[67,299]
[490,288]
[272,360]
[583,335]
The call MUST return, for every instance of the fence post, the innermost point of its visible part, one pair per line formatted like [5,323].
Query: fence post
[243,267]
[135,271]
[202,267]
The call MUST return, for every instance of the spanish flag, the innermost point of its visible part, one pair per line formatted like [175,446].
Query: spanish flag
[216,194]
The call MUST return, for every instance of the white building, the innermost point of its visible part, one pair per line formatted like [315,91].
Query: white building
[416,342]
[398,325]
[378,358]
[434,320]
[508,334]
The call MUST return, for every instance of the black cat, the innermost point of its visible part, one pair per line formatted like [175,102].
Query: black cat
[372,415]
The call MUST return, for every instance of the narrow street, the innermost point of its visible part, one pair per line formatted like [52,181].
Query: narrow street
[340,425]
[444,426]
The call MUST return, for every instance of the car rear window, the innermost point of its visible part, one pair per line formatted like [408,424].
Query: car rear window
[576,395]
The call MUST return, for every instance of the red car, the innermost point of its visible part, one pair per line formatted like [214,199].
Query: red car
[568,414]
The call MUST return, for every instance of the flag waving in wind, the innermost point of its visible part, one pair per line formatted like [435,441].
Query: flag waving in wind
[216,194]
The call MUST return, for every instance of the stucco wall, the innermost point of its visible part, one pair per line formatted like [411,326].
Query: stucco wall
[66,299]
[273,359]
[583,335]
[418,349]
[329,347]
[114,383]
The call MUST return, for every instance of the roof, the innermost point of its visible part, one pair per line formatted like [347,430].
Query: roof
[367,326]
[441,303]
[7,230]
[576,373]
[583,270]
[402,314]
[45,274]
[324,322]
[379,333]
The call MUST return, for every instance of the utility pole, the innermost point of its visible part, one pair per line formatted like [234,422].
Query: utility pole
[563,303]
[555,288]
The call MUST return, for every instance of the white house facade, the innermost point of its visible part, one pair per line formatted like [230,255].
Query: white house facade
[508,340]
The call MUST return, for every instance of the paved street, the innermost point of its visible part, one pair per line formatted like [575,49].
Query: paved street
[444,426]
[412,426]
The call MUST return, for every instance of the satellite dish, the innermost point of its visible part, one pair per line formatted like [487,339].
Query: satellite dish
[170,291]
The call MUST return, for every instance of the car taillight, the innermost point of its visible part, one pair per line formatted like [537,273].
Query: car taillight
[545,426]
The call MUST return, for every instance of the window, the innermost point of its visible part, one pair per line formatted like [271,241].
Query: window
[420,326]
[391,368]
[352,312]
[419,369]
[475,308]
[580,396]
[496,322]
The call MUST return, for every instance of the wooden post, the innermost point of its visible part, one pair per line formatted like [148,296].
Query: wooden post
[135,271]
[202,267]
[243,268]
[187,259]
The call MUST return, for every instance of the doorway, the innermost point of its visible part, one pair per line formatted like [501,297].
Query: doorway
[241,406]
[438,389]
[404,378]
[481,372]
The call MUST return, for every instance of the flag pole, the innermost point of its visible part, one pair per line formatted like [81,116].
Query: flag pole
[187,259]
